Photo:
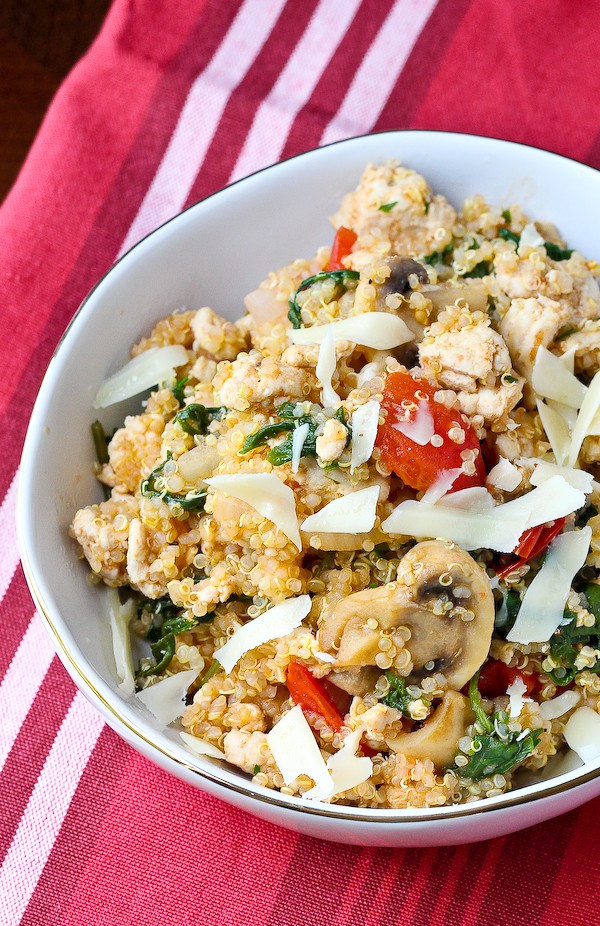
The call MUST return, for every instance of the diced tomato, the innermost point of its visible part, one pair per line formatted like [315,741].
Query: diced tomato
[309,693]
[495,677]
[531,544]
[419,466]
[343,243]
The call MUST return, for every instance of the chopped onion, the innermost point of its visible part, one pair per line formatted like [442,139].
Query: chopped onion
[267,494]
[353,513]
[201,747]
[365,421]
[197,464]
[550,710]
[264,306]
[144,371]
[273,624]
[582,733]
[121,616]
[378,330]
[504,476]
[165,699]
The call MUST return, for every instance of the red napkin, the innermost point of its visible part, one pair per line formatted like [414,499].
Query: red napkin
[174,100]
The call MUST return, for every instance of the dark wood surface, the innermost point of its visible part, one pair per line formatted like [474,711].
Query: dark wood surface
[40,41]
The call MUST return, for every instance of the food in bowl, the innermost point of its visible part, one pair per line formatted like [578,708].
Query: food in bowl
[358,527]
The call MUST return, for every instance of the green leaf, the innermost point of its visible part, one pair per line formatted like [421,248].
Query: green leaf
[149,489]
[486,724]
[495,756]
[256,770]
[439,257]
[509,236]
[388,206]
[260,437]
[506,216]
[427,205]
[195,418]
[513,604]
[178,388]
[482,269]
[566,334]
[567,641]
[398,695]
[555,252]
[341,277]
[101,445]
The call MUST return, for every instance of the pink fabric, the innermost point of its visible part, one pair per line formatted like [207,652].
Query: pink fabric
[172,102]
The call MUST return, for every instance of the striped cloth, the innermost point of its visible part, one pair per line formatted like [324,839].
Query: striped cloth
[173,101]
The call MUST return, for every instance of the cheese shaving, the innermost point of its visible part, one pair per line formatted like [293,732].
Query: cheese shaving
[582,733]
[578,478]
[421,429]
[552,380]
[298,438]
[475,498]
[378,330]
[557,431]
[585,418]
[542,608]
[530,238]
[442,484]
[565,411]
[351,514]
[365,421]
[121,616]
[325,368]
[516,700]
[296,752]
[550,710]
[146,370]
[166,699]
[347,770]
[273,624]
[268,495]
[504,476]
[201,747]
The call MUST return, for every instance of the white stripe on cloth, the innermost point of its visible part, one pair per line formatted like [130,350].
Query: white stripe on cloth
[21,682]
[201,114]
[275,115]
[379,70]
[8,537]
[47,807]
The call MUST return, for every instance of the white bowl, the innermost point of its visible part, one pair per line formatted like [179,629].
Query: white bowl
[213,254]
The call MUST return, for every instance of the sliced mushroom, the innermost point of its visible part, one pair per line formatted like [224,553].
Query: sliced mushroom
[442,596]
[438,738]
[402,268]
[355,681]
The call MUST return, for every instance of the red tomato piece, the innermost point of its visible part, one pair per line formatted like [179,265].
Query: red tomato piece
[495,677]
[309,693]
[419,466]
[531,544]
[343,243]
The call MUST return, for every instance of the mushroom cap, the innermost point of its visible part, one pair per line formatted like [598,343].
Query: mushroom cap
[438,738]
[442,596]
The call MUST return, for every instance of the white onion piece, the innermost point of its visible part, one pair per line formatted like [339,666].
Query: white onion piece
[201,747]
[273,624]
[582,733]
[550,710]
[378,330]
[542,608]
[144,371]
[421,429]
[369,371]
[578,478]
[552,380]
[121,616]
[264,306]
[504,476]
[365,421]
[197,464]
[267,494]
[296,752]
[353,513]
[587,413]
[325,368]
[165,699]
[299,436]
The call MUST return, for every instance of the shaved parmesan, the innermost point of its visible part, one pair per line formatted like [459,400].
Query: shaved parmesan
[516,700]
[552,380]
[365,421]
[273,624]
[442,484]
[298,438]
[325,368]
[378,330]
[557,431]
[268,495]
[475,498]
[347,770]
[323,657]
[565,411]
[351,514]
[585,418]
[530,238]
[497,528]
[166,699]
[369,371]
[504,476]
[296,752]
[542,608]
[146,370]
[568,358]
[582,733]
[201,747]
[120,618]
[558,706]
[421,429]
[578,478]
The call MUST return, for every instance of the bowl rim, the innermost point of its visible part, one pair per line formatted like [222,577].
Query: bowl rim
[68,655]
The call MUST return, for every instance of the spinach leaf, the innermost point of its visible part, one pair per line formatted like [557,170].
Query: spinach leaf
[167,622]
[482,269]
[195,418]
[439,257]
[555,252]
[341,277]
[282,453]
[566,642]
[398,695]
[178,388]
[150,489]
[427,205]
[101,445]
[509,236]
[388,206]
[506,616]
[506,216]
